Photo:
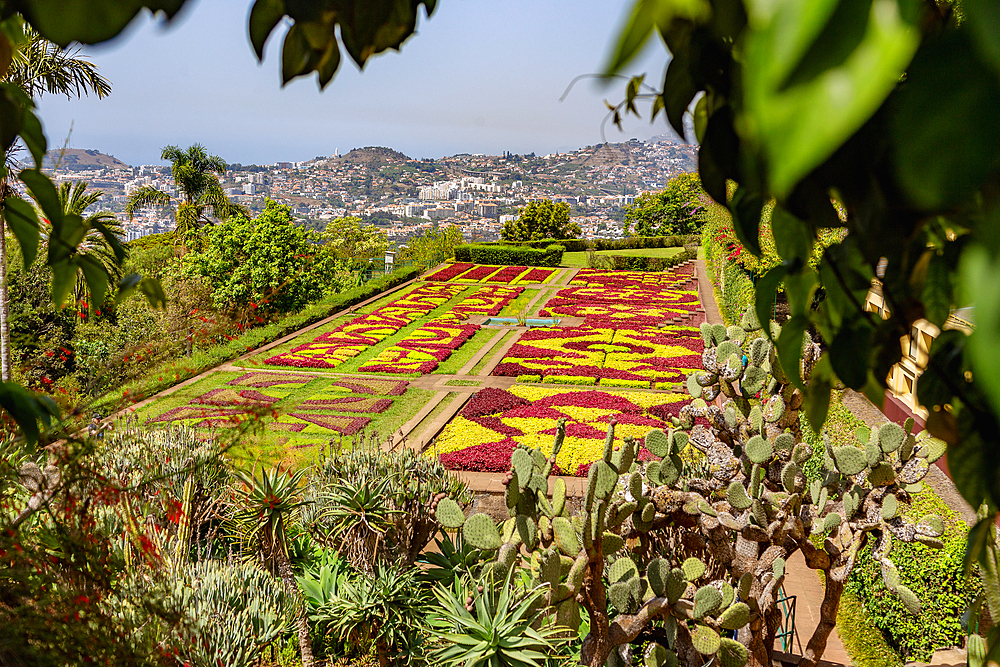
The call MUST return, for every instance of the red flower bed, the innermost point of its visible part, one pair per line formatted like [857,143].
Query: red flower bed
[478,273]
[490,401]
[453,271]
[537,275]
[491,457]
[507,274]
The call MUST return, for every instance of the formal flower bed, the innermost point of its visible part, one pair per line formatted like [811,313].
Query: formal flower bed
[487,301]
[484,273]
[494,421]
[374,386]
[330,349]
[348,404]
[260,379]
[450,272]
[609,357]
[421,351]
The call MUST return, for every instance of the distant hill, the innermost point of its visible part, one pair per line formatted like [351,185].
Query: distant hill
[607,154]
[75,159]
[369,154]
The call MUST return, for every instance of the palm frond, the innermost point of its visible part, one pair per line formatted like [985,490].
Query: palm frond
[39,66]
[222,207]
[145,197]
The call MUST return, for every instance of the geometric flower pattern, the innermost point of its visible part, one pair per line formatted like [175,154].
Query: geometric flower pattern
[485,442]
[422,349]
[330,349]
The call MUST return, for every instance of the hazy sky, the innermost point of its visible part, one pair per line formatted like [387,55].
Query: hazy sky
[480,76]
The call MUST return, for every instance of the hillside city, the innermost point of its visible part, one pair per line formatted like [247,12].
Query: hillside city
[478,193]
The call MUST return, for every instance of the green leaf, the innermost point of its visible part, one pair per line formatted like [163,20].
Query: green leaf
[646,15]
[746,207]
[983,18]
[767,287]
[87,21]
[678,90]
[25,409]
[790,348]
[850,352]
[792,237]
[980,275]
[946,368]
[264,16]
[34,137]
[23,222]
[44,192]
[801,109]
[718,155]
[96,277]
[941,161]
[975,543]
[816,396]
[937,291]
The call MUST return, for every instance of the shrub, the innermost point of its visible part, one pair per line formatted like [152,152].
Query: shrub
[504,255]
[629,263]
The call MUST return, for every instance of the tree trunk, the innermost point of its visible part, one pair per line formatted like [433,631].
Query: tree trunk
[827,621]
[305,646]
[5,373]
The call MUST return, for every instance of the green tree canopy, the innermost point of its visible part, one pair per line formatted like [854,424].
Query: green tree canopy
[267,264]
[350,238]
[675,210]
[434,245]
[539,220]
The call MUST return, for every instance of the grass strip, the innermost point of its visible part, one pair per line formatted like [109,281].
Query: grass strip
[478,368]
[461,356]
[864,642]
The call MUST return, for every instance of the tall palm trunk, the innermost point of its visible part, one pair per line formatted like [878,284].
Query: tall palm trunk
[5,374]
[285,572]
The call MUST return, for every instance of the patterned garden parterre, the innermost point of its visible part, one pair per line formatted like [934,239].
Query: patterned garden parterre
[485,273]
[494,421]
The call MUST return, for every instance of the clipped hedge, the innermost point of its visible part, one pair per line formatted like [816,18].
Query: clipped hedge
[510,255]
[629,243]
[175,371]
[631,263]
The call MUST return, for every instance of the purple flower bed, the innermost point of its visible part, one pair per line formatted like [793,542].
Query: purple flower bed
[348,404]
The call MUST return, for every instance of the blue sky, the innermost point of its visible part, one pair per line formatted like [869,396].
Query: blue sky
[480,77]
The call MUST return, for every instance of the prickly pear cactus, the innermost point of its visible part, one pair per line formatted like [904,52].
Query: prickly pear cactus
[696,553]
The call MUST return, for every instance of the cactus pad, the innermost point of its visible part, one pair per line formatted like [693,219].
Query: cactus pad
[706,333]
[735,617]
[520,461]
[635,485]
[607,478]
[778,567]
[756,418]
[882,475]
[670,470]
[480,531]
[758,351]
[611,543]
[449,514]
[830,522]
[737,496]
[692,386]
[653,473]
[736,334]
[707,601]
[705,640]
[622,569]
[676,585]
[727,348]
[511,494]
[788,475]
[648,512]
[890,437]
[759,450]
[527,531]
[931,524]
[850,460]
[621,596]
[743,588]
[658,443]
[862,433]
[657,573]
[931,449]
[909,599]
[565,536]
[784,442]
[873,453]
[801,453]
[773,409]
[732,653]
[718,333]
[679,440]
[890,508]
[659,656]
[728,594]
[693,568]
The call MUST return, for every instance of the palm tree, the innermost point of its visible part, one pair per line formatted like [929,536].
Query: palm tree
[196,176]
[38,67]
[74,199]
[269,499]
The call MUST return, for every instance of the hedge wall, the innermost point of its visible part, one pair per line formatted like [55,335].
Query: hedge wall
[630,243]
[510,255]
[630,263]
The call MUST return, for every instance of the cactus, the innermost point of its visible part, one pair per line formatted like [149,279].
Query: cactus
[737,503]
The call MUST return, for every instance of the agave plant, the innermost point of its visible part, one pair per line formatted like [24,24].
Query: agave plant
[268,499]
[356,517]
[493,626]
[454,559]
[383,611]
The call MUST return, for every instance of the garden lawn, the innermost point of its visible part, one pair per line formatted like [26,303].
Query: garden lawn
[462,355]
[285,416]
[484,434]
